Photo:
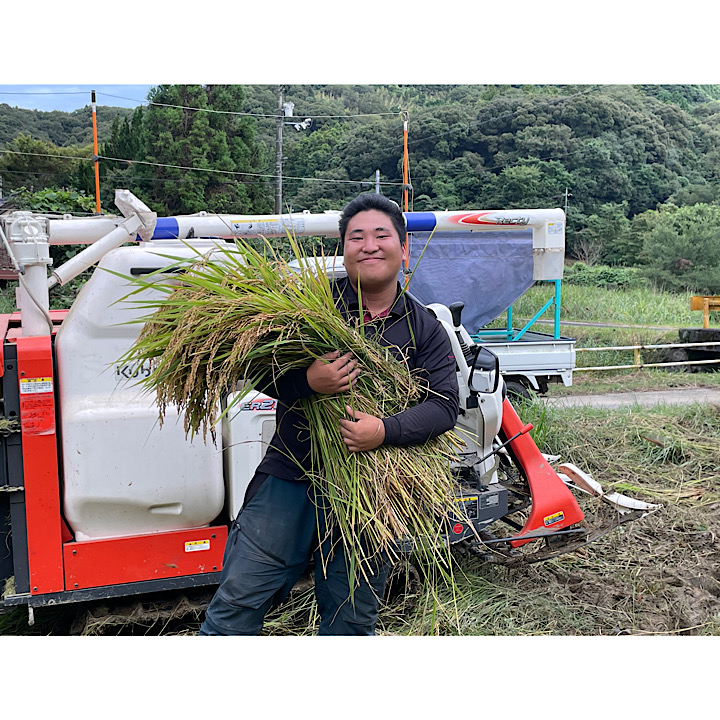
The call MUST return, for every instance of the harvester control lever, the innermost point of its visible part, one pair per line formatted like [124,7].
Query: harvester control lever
[525,429]
[456,309]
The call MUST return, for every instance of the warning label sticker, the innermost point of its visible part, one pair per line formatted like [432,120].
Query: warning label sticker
[37,413]
[555,518]
[195,545]
[35,386]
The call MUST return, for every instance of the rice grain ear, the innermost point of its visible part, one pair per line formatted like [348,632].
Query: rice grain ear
[226,321]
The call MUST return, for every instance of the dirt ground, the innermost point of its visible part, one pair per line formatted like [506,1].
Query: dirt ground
[658,575]
[655,576]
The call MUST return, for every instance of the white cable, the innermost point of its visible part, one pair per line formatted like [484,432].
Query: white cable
[198,169]
[10,252]
[22,282]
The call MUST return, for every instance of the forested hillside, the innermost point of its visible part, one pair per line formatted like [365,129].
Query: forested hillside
[621,159]
[59,128]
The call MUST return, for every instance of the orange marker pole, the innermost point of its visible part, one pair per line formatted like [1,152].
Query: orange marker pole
[95,158]
[405,194]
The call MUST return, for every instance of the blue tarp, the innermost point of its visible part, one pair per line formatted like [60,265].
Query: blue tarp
[488,271]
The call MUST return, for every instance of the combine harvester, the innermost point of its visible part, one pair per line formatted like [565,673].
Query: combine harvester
[98,502]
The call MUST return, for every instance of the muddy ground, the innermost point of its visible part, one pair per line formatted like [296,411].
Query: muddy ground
[658,575]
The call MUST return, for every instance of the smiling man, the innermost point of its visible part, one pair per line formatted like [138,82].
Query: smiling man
[374,253]
[275,535]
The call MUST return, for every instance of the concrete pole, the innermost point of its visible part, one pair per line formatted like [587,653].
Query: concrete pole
[278,154]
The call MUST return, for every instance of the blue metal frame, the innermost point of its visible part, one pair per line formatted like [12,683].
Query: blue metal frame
[508,331]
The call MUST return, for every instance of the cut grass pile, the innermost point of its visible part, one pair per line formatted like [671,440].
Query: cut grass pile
[658,575]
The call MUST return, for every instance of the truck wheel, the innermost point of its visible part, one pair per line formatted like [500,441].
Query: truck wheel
[518,392]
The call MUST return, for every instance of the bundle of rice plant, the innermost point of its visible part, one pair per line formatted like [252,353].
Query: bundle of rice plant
[228,319]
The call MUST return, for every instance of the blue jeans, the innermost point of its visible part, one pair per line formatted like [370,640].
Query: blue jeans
[269,547]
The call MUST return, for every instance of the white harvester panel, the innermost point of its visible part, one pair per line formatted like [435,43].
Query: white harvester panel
[122,474]
[247,430]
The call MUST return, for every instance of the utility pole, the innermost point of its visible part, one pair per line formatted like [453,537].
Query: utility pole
[95,156]
[377,182]
[285,110]
[278,152]
[567,194]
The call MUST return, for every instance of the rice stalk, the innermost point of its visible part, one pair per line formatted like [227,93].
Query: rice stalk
[230,319]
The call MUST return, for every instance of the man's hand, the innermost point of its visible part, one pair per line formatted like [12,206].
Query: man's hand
[332,373]
[365,432]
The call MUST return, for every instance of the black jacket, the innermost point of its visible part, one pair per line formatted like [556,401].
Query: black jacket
[410,330]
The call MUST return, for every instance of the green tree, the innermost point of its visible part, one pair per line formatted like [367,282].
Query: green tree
[314,152]
[59,128]
[331,192]
[531,183]
[200,155]
[471,146]
[36,164]
[604,235]
[127,143]
[681,251]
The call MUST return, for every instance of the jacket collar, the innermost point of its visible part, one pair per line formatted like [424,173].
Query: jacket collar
[344,290]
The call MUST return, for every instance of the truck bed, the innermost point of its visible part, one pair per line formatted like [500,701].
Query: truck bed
[535,353]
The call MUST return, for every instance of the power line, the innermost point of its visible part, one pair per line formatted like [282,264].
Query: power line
[232,112]
[234,172]
[188,167]
[209,110]
[73,92]
[288,177]
[659,132]
[47,155]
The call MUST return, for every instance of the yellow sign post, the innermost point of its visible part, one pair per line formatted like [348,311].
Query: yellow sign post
[706,303]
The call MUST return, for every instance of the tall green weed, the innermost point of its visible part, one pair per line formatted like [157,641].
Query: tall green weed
[604,276]
[636,305]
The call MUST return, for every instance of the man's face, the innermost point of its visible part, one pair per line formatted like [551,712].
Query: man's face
[373,251]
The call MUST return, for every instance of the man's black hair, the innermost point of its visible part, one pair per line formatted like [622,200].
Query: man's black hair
[373,201]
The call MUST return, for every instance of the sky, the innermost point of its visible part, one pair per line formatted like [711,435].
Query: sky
[72,97]
[383,43]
